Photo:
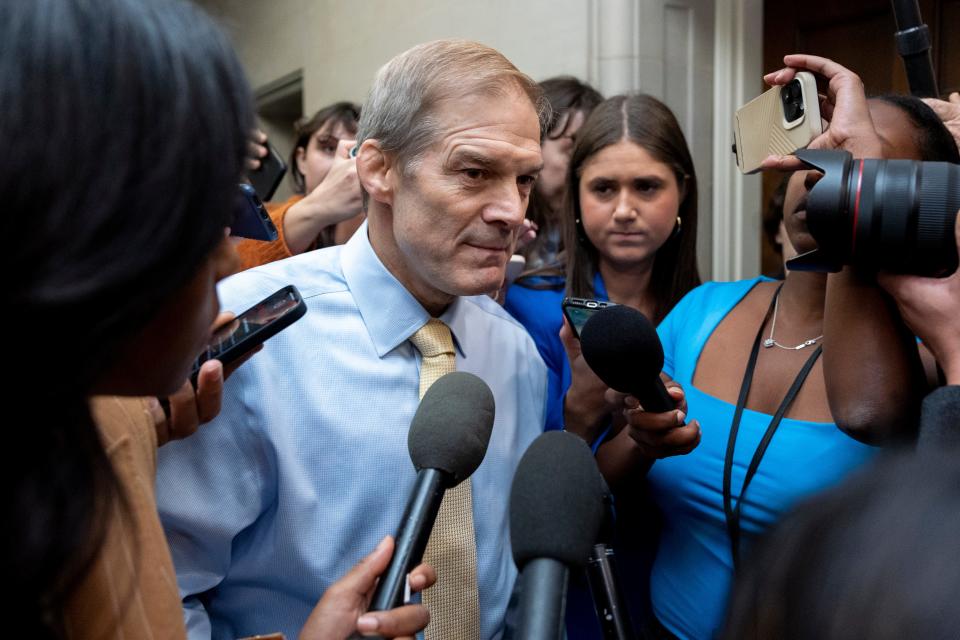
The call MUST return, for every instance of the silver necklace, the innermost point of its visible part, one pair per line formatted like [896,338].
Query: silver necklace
[770,342]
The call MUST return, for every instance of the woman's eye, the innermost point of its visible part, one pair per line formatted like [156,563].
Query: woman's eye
[603,189]
[647,186]
[526,181]
[473,174]
[327,145]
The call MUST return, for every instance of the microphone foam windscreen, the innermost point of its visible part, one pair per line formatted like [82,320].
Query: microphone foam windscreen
[556,501]
[622,347]
[451,428]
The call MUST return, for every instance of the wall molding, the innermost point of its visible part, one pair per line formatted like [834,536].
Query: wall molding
[738,64]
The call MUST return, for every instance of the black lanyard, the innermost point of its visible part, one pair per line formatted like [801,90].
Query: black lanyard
[732,513]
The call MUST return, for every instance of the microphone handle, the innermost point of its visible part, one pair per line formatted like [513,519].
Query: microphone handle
[411,539]
[543,600]
[611,609]
[654,397]
[913,45]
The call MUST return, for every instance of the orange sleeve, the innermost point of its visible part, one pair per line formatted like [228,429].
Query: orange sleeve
[254,253]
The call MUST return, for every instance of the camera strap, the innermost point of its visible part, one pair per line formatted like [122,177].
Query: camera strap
[731,512]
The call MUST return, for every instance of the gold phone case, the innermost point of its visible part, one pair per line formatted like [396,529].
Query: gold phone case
[760,128]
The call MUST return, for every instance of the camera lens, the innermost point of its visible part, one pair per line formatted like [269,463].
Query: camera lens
[791,97]
[792,111]
[891,215]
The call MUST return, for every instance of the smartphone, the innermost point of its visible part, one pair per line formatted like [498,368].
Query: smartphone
[779,122]
[266,179]
[252,220]
[578,311]
[252,327]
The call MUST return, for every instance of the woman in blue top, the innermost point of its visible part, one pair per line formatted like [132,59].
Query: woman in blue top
[746,354]
[630,228]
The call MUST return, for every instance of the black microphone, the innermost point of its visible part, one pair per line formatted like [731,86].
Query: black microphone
[556,507]
[623,349]
[609,604]
[447,442]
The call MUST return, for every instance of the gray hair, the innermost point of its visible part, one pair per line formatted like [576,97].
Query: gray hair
[400,111]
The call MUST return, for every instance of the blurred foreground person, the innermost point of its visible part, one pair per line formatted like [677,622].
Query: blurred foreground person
[119,193]
[873,558]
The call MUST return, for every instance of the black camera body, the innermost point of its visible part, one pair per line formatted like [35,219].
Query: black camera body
[885,215]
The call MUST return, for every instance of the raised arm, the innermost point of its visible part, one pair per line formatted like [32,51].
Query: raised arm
[871,366]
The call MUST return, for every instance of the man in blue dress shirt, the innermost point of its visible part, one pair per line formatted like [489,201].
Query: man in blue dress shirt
[306,466]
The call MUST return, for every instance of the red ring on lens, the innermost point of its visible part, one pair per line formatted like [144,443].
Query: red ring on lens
[856,210]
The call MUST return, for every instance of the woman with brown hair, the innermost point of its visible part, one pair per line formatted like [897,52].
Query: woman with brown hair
[571,102]
[327,207]
[630,228]
[629,235]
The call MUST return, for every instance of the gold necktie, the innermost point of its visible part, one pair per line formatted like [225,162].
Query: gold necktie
[452,550]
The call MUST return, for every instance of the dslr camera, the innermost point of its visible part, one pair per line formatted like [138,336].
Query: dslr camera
[885,215]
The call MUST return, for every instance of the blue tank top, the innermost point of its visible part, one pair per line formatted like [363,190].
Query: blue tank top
[693,569]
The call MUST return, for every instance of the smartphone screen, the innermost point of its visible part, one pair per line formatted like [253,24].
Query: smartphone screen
[253,327]
[579,310]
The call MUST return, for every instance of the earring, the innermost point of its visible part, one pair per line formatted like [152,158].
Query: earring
[676,229]
[581,234]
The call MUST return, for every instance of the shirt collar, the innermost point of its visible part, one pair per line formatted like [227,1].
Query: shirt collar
[390,313]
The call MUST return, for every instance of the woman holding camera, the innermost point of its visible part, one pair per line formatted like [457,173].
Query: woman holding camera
[120,192]
[748,357]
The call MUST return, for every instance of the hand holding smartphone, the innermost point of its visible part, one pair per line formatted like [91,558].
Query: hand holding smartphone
[267,177]
[779,122]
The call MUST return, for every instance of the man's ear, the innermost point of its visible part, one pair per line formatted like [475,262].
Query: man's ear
[376,169]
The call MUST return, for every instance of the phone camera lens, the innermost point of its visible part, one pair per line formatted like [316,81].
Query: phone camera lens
[792,98]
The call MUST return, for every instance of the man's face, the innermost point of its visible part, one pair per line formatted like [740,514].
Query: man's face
[455,210]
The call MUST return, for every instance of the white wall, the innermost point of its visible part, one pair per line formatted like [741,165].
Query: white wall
[270,36]
[362,36]
[339,44]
